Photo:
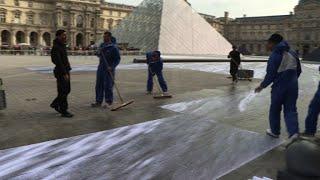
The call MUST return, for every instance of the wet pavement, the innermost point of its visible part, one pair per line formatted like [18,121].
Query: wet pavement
[207,130]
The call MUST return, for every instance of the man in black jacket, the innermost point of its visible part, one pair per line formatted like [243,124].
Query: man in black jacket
[235,63]
[59,57]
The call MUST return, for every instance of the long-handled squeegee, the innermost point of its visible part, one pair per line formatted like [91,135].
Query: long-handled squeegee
[123,103]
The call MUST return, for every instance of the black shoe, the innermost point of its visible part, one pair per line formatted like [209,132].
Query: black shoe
[66,115]
[55,107]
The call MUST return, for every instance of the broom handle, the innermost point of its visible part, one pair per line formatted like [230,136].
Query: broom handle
[116,87]
[113,79]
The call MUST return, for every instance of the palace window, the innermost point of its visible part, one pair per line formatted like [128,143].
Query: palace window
[30,18]
[110,13]
[65,20]
[17,17]
[79,21]
[92,23]
[259,48]
[2,2]
[110,23]
[2,17]
[251,47]
[16,3]
[44,19]
[307,37]
[30,4]
[119,14]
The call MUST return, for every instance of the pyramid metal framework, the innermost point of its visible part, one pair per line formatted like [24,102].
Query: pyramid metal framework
[172,27]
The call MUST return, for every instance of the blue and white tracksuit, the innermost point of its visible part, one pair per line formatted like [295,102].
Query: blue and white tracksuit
[313,114]
[155,68]
[104,83]
[284,69]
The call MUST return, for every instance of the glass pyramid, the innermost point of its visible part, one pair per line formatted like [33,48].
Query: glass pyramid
[172,27]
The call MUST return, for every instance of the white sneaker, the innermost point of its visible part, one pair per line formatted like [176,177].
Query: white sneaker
[166,94]
[295,136]
[292,139]
[107,106]
[271,134]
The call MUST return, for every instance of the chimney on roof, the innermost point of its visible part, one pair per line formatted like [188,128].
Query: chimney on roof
[244,15]
[226,14]
[226,17]
[291,13]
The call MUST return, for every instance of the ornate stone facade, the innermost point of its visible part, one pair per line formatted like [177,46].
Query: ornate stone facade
[34,22]
[217,23]
[301,28]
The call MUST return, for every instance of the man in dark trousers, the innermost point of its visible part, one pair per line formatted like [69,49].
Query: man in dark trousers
[311,122]
[155,67]
[62,70]
[234,63]
[109,56]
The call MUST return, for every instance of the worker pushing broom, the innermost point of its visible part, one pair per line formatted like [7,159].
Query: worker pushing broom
[155,67]
[109,56]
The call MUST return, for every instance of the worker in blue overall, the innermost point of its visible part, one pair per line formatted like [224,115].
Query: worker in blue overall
[311,122]
[155,67]
[283,71]
[109,57]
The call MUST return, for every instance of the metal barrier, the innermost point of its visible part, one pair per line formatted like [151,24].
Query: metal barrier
[70,53]
[3,103]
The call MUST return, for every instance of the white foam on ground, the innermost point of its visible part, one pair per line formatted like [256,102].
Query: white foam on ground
[246,101]
[136,152]
[219,68]
[180,107]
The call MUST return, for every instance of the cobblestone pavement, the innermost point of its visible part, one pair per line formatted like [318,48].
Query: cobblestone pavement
[29,120]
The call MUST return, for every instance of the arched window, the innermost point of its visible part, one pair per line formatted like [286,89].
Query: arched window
[5,37]
[79,21]
[46,39]
[20,37]
[79,40]
[34,38]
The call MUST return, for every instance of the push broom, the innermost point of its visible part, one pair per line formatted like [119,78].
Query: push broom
[123,103]
[161,95]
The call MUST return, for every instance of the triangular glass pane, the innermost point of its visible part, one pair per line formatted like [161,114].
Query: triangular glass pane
[185,32]
[141,29]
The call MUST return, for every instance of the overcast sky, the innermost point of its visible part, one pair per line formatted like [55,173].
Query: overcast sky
[236,7]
